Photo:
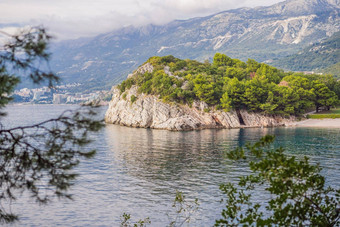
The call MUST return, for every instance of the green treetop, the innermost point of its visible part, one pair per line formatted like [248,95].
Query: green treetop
[231,84]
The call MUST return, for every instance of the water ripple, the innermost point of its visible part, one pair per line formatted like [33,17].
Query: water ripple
[138,171]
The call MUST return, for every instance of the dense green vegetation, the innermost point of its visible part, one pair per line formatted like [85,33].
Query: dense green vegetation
[323,57]
[297,193]
[232,84]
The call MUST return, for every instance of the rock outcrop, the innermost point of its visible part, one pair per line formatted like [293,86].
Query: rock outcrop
[145,68]
[150,112]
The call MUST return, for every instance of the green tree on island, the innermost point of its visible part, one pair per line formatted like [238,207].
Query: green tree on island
[234,94]
[231,84]
[323,96]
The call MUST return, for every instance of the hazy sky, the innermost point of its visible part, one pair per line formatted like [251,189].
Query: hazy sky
[76,18]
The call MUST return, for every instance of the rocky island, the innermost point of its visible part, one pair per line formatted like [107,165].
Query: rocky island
[173,94]
[150,112]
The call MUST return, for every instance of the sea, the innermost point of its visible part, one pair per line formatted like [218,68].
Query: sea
[138,171]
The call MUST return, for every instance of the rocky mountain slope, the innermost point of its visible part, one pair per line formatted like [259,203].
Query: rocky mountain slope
[262,33]
[320,56]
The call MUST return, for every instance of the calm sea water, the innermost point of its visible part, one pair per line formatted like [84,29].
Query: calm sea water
[138,171]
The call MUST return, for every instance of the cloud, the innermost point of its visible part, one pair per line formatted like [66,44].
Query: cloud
[77,18]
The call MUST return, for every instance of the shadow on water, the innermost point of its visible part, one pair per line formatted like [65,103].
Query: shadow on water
[178,152]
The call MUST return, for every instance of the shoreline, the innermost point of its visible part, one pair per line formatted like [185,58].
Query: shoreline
[50,104]
[318,123]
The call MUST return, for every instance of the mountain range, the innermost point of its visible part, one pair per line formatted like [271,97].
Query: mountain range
[261,33]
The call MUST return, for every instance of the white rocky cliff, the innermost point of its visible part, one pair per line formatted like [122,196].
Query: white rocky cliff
[150,112]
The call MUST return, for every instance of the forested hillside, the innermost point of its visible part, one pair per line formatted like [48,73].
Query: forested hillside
[333,70]
[321,56]
[228,83]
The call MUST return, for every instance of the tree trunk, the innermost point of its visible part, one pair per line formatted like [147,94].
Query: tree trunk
[240,118]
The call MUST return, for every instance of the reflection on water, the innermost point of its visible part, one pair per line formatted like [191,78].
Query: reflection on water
[138,171]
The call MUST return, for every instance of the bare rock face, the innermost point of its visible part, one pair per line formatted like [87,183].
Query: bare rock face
[146,68]
[150,112]
[259,120]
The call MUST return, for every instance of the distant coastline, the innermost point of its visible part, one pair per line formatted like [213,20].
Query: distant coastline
[319,123]
[102,103]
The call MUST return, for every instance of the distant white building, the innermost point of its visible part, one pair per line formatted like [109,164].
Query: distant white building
[59,98]
[70,99]
[37,95]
